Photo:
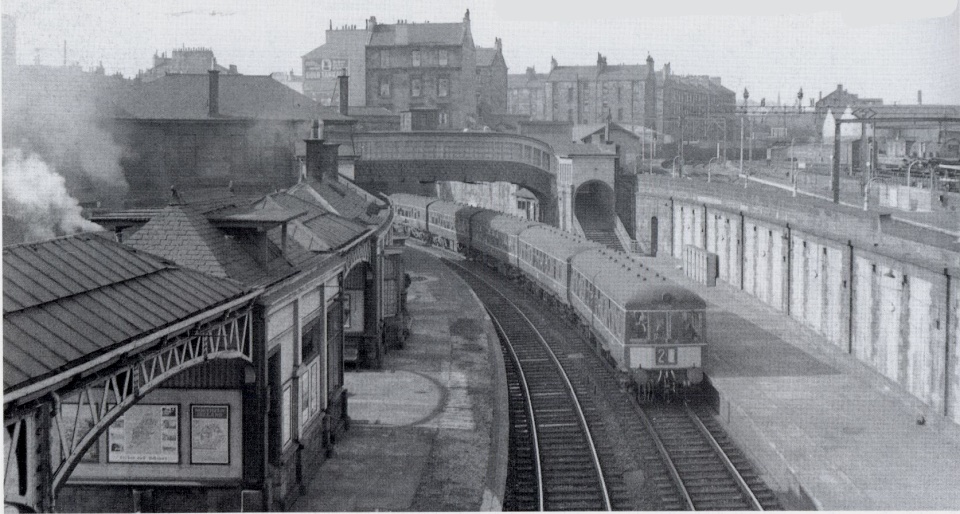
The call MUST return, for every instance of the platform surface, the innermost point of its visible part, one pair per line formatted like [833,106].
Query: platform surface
[428,431]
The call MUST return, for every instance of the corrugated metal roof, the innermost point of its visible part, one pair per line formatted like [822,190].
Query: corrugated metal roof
[69,299]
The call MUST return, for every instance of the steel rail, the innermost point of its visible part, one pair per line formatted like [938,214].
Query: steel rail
[665,455]
[754,502]
[529,403]
[563,374]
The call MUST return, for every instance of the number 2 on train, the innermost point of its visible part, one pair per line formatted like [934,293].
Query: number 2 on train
[666,355]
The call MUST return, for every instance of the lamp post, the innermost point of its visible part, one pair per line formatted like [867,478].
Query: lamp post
[800,101]
[866,191]
[746,95]
[909,167]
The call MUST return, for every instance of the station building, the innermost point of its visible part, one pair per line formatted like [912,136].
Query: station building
[328,291]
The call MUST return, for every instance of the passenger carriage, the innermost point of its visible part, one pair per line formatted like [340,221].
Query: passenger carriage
[494,239]
[441,223]
[411,214]
[544,254]
[463,217]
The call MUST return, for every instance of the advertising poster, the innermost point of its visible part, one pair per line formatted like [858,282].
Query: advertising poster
[146,433]
[210,434]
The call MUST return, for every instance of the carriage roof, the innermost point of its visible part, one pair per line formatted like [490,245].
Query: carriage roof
[631,285]
[555,242]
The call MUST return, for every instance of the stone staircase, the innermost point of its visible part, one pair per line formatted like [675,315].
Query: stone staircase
[604,237]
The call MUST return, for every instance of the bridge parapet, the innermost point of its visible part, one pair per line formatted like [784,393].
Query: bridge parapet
[454,146]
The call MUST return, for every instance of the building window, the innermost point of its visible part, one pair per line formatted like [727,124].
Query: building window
[442,57]
[619,92]
[384,87]
[569,94]
[416,57]
[569,114]
[443,87]
[443,119]
[384,59]
[325,65]
[415,87]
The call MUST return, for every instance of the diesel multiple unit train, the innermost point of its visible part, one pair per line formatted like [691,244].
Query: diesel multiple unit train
[651,329]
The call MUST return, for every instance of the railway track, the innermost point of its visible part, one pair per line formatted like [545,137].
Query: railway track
[555,465]
[708,472]
[675,459]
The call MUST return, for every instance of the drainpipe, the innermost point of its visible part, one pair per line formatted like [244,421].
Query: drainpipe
[673,229]
[946,346]
[740,246]
[850,299]
[788,290]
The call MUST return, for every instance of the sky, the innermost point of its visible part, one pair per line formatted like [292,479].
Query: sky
[888,49]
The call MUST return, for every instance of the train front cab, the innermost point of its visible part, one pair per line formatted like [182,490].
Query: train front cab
[665,350]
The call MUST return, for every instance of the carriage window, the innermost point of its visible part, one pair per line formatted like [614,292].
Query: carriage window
[658,326]
[686,326]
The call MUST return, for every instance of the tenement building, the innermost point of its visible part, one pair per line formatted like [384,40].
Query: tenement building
[491,80]
[341,54]
[424,71]
[525,94]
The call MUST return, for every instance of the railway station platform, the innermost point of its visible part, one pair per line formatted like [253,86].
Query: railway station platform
[429,431]
[822,428]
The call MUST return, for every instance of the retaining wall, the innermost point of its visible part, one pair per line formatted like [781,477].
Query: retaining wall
[883,302]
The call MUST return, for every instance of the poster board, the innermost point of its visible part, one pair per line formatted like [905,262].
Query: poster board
[146,434]
[210,434]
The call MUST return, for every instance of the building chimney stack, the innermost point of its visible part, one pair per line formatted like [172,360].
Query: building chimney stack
[321,158]
[214,93]
[919,97]
[344,94]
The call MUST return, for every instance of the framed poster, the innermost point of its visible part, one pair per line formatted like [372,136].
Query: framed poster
[145,434]
[209,434]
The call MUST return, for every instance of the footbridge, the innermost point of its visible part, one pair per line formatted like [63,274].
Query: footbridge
[411,162]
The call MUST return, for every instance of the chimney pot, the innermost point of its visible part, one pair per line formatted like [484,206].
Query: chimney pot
[344,94]
[214,97]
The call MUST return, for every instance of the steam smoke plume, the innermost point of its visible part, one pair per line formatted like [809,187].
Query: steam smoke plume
[35,197]
[59,148]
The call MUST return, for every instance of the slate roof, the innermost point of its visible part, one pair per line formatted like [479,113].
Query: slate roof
[320,229]
[183,235]
[625,72]
[571,73]
[524,80]
[186,97]
[70,299]
[345,199]
[582,131]
[485,56]
[422,34]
